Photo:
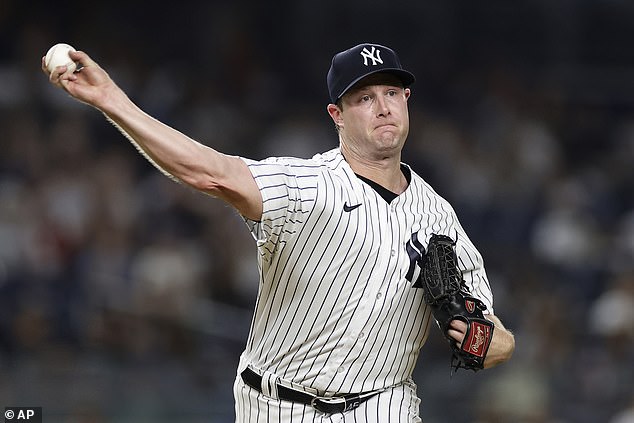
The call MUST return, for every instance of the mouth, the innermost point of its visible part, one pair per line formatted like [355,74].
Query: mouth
[385,126]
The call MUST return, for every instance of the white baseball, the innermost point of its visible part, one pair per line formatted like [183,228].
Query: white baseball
[58,56]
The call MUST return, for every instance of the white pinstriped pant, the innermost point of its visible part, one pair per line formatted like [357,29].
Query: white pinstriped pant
[398,404]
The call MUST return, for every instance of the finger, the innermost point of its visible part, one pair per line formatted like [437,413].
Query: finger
[81,58]
[456,336]
[458,325]
[44,68]
[61,75]
[57,73]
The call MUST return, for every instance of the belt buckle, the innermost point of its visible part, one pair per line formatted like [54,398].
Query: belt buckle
[333,405]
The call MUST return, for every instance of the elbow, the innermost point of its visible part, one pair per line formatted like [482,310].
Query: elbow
[202,169]
[202,182]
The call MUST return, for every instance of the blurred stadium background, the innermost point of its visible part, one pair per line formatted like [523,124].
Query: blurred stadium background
[125,297]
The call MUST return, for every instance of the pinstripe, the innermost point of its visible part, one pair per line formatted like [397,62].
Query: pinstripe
[358,280]
[398,404]
[335,310]
[312,299]
[282,268]
[336,274]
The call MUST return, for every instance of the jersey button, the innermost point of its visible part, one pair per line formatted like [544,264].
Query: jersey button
[341,369]
[361,335]
[393,253]
[379,295]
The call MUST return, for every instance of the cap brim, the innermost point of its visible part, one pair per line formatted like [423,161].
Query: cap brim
[406,77]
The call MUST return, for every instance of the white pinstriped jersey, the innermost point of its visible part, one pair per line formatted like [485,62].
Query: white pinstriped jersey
[336,310]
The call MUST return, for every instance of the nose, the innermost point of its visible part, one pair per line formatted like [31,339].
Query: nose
[382,108]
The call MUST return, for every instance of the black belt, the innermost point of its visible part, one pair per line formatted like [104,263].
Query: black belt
[328,405]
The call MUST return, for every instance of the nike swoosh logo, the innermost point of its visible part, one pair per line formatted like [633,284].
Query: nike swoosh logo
[348,208]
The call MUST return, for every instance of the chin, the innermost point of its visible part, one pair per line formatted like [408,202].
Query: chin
[391,143]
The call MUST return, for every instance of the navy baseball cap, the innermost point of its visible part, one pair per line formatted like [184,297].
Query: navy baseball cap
[350,66]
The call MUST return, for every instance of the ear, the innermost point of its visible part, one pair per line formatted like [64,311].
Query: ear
[335,113]
[408,92]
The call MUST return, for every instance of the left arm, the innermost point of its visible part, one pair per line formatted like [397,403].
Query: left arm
[502,344]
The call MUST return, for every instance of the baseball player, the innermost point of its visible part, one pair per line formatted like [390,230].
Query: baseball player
[338,322]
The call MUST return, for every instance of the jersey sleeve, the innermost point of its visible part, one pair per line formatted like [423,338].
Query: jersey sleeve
[288,189]
[471,264]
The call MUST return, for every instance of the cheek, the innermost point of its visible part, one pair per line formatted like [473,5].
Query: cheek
[356,121]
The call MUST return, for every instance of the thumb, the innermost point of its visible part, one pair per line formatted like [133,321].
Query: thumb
[82,59]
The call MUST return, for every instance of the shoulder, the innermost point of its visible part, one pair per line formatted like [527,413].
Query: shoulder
[293,172]
[323,162]
[419,184]
[326,159]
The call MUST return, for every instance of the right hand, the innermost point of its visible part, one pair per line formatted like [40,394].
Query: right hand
[89,83]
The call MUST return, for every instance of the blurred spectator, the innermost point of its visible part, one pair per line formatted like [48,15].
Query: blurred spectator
[522,116]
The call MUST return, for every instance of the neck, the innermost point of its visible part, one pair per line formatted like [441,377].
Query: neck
[385,171]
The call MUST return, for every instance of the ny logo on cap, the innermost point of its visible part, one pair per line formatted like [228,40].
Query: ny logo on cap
[374,55]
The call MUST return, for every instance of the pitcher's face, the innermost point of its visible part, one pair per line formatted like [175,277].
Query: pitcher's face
[374,118]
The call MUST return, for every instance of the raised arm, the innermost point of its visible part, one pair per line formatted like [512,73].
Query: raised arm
[178,156]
